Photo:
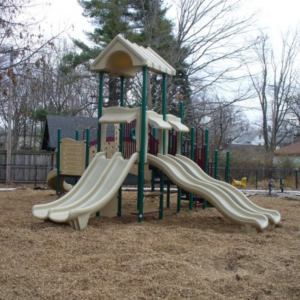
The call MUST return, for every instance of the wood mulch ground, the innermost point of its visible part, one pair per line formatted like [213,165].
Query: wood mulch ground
[190,255]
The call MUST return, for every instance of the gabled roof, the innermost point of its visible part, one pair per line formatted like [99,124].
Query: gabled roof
[293,149]
[68,126]
[123,58]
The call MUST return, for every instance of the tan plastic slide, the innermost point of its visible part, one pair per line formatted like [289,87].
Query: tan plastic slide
[236,195]
[249,221]
[97,186]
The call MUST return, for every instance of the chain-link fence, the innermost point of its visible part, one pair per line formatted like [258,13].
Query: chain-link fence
[259,178]
[256,178]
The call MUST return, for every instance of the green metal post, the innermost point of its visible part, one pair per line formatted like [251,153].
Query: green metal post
[206,150]
[164,109]
[170,141]
[122,105]
[227,166]
[143,147]
[296,179]
[192,158]
[58,163]
[121,133]
[206,159]
[216,164]
[100,104]
[192,143]
[181,117]
[168,194]
[179,193]
[161,198]
[87,148]
[162,176]
[154,132]
[77,135]
[152,182]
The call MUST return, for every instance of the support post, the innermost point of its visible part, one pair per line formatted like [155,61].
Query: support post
[168,194]
[192,158]
[162,176]
[206,159]
[121,130]
[100,104]
[87,148]
[152,182]
[216,164]
[58,163]
[77,135]
[143,147]
[227,166]
[179,193]
[164,109]
[206,150]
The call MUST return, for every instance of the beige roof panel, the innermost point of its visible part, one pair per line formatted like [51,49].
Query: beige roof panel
[123,58]
[176,124]
[156,120]
[119,115]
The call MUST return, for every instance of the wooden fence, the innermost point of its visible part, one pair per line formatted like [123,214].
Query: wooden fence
[27,166]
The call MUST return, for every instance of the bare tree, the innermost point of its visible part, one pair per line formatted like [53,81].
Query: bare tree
[19,33]
[209,40]
[43,87]
[274,78]
[225,121]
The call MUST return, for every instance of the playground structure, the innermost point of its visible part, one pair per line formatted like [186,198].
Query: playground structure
[99,188]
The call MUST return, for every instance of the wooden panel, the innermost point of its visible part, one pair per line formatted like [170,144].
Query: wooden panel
[72,157]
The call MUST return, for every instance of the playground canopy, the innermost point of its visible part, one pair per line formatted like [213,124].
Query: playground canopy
[123,58]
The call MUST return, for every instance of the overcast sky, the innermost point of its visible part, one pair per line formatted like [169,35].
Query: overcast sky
[276,15]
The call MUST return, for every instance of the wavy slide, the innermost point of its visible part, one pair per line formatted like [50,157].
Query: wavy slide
[249,221]
[236,195]
[97,186]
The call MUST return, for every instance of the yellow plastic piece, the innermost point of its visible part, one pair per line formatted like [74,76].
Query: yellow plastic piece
[241,183]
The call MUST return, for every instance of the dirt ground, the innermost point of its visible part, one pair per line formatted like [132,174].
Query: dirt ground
[188,255]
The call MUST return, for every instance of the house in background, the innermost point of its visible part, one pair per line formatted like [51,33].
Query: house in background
[291,151]
[254,138]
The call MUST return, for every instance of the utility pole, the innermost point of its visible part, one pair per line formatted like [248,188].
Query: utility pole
[9,113]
